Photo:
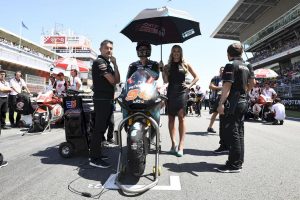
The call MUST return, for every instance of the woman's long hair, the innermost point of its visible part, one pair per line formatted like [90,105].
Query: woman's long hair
[181,61]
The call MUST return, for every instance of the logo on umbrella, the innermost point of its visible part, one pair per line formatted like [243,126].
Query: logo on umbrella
[188,33]
[152,28]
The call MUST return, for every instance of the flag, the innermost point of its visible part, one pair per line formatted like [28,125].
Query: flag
[24,26]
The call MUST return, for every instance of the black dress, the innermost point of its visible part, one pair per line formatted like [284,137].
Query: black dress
[176,93]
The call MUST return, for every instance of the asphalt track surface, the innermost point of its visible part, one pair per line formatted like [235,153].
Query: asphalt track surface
[271,169]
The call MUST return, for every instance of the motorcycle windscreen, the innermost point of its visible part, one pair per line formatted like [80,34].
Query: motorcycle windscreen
[140,90]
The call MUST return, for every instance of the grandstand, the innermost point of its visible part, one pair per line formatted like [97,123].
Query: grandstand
[20,54]
[66,43]
[270,31]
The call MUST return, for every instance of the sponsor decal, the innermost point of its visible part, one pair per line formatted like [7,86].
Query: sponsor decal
[54,40]
[20,105]
[188,33]
[152,28]
[71,104]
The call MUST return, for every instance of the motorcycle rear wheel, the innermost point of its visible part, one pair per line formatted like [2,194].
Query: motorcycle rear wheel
[136,157]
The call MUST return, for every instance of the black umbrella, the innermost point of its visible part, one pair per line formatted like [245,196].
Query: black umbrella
[162,26]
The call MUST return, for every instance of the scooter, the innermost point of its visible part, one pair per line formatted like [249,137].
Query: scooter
[139,99]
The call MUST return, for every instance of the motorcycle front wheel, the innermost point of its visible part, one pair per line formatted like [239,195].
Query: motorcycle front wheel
[136,155]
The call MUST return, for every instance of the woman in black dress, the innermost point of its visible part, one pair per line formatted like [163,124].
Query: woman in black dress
[174,73]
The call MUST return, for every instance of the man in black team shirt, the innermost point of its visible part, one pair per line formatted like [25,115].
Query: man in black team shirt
[104,80]
[238,80]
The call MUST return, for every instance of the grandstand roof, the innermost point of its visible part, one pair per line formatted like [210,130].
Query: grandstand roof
[244,13]
[16,39]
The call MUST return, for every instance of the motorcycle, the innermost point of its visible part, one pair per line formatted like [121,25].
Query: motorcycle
[141,102]
[48,111]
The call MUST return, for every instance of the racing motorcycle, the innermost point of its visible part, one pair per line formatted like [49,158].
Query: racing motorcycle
[140,101]
[47,112]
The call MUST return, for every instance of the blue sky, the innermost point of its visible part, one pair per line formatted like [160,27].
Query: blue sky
[99,20]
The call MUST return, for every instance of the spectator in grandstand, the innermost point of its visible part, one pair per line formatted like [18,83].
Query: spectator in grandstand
[75,82]
[175,73]
[4,91]
[269,92]
[278,112]
[17,84]
[60,85]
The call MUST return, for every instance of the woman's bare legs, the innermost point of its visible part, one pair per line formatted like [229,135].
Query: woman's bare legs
[182,128]
[172,130]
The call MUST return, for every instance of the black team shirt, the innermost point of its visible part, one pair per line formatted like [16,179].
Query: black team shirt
[238,73]
[101,86]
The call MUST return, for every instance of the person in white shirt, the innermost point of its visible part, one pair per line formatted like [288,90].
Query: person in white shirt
[269,93]
[278,111]
[17,84]
[60,85]
[75,82]
[4,91]
[199,99]
[206,100]
[254,93]
[51,83]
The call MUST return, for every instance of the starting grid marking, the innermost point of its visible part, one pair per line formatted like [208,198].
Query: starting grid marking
[174,184]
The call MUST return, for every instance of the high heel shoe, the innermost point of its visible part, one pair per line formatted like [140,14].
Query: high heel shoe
[179,153]
[173,150]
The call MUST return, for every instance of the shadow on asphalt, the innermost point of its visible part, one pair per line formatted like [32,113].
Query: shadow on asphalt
[197,152]
[192,168]
[194,152]
[202,133]
[51,156]
[254,120]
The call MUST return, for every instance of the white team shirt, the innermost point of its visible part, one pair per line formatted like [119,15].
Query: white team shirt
[279,110]
[4,84]
[73,83]
[17,85]
[60,87]
[268,93]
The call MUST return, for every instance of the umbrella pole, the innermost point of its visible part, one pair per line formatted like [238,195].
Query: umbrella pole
[161,52]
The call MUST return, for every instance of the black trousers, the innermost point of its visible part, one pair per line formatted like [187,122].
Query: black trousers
[3,109]
[224,138]
[111,125]
[206,103]
[199,107]
[103,112]
[234,128]
[12,101]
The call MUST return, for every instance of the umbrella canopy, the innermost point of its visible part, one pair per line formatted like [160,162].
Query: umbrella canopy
[71,63]
[265,73]
[162,26]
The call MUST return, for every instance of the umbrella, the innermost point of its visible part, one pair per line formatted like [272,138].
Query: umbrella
[162,26]
[265,73]
[71,63]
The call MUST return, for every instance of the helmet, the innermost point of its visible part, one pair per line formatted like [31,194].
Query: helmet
[143,53]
